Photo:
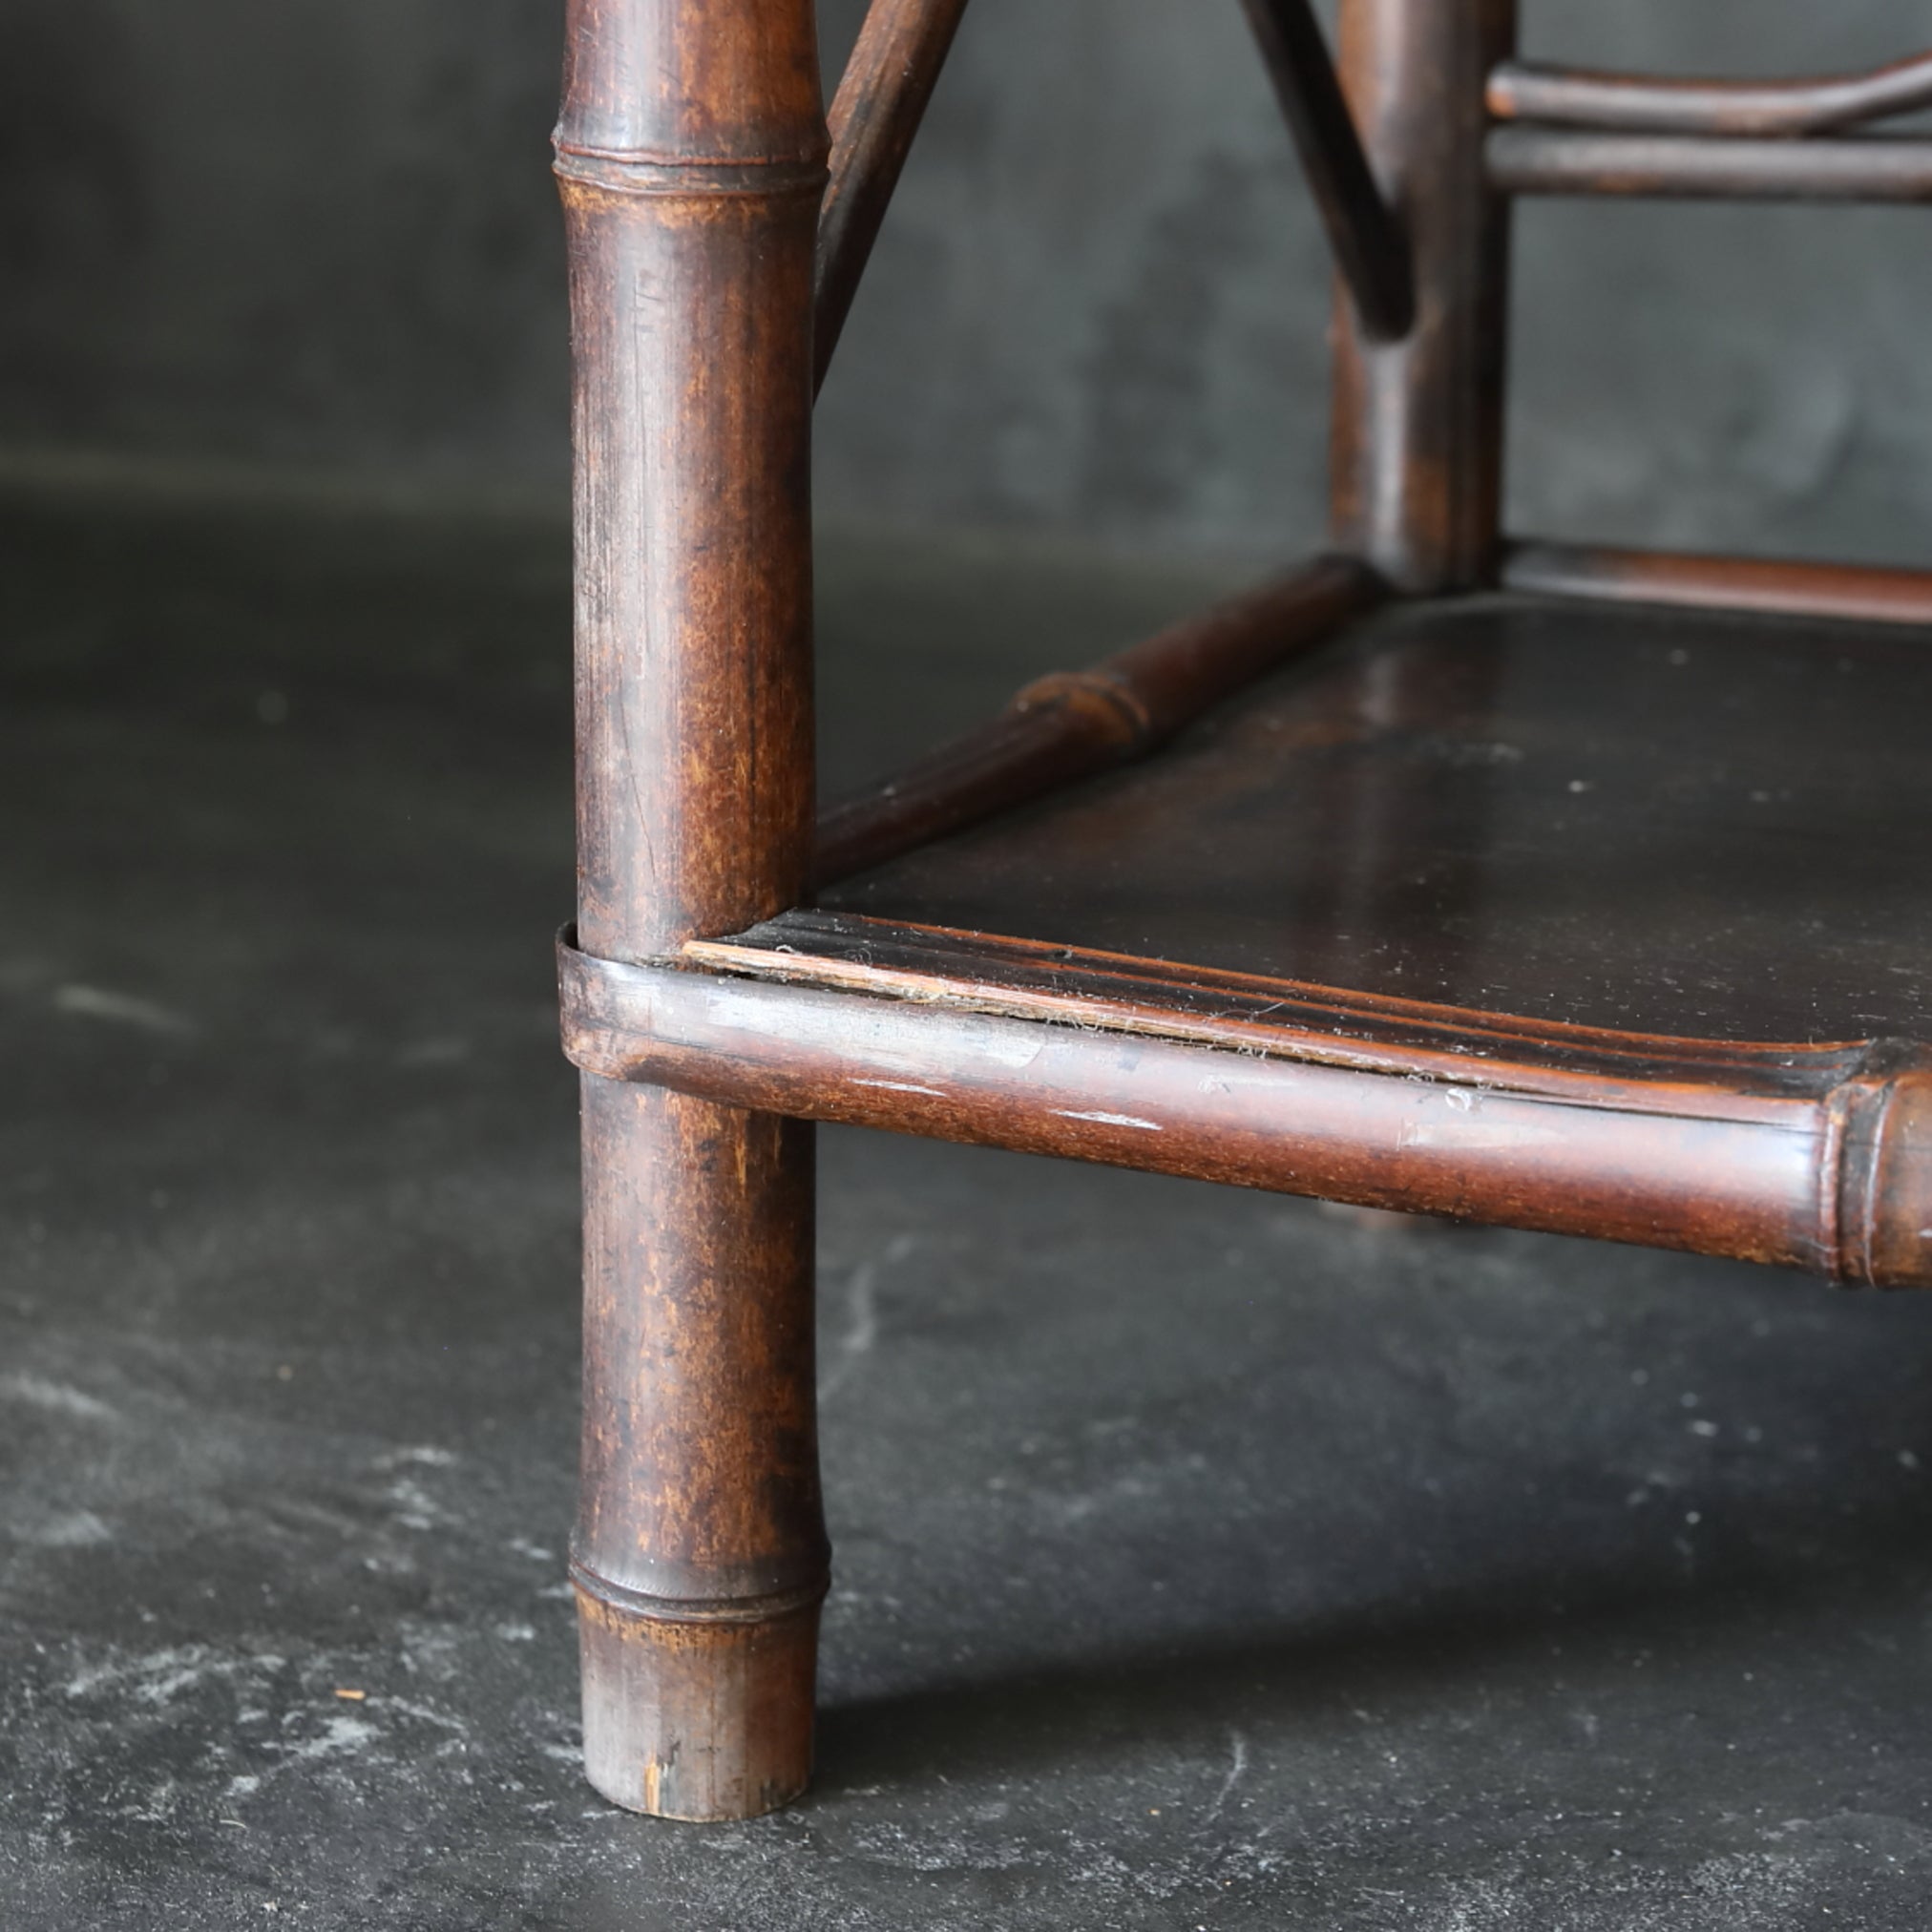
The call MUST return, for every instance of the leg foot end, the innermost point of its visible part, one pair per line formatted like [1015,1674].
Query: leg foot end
[705,1718]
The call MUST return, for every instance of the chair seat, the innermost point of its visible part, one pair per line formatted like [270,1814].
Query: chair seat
[1696,825]
[1598,920]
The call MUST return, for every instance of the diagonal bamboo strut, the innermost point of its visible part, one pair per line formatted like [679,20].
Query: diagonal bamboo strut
[876,112]
[1370,247]
[889,79]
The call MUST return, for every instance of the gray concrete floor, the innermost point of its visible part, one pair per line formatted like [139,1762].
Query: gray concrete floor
[1204,1559]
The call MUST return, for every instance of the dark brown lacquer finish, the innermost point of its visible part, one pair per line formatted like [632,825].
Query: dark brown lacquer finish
[1370,248]
[1532,160]
[1072,724]
[875,116]
[1628,103]
[1251,1012]
[691,154]
[1819,1158]
[1765,585]
[1417,450]
[1683,823]
[1557,887]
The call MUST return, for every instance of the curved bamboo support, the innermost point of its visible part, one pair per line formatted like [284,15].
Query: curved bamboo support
[1629,103]
[881,99]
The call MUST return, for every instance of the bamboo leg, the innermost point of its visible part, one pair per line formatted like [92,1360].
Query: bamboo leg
[1417,439]
[691,154]
[701,1548]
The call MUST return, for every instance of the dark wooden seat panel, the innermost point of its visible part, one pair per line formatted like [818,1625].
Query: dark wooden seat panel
[1601,919]
[1679,823]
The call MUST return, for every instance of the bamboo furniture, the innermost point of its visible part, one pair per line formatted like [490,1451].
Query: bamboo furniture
[1555,887]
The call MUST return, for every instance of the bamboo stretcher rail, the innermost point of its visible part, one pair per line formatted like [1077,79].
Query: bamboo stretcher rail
[1767,586]
[1369,246]
[1537,160]
[876,112]
[1630,103]
[1070,724]
[1836,1176]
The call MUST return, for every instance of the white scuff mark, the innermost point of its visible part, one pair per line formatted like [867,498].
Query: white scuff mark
[1234,1083]
[1471,1135]
[901,1086]
[862,1328]
[415,1507]
[521,1545]
[872,1040]
[1005,1042]
[78,1529]
[121,1009]
[1111,1120]
[341,1736]
[57,1399]
[952,1852]
[161,1804]
[1002,1050]
[728,1005]
[194,1668]
[515,1633]
[862,1321]
[243,1786]
[426,1713]
[162,1675]
[431,1651]
[1237,1767]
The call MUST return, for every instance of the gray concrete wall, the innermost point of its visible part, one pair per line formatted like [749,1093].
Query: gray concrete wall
[322,233]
